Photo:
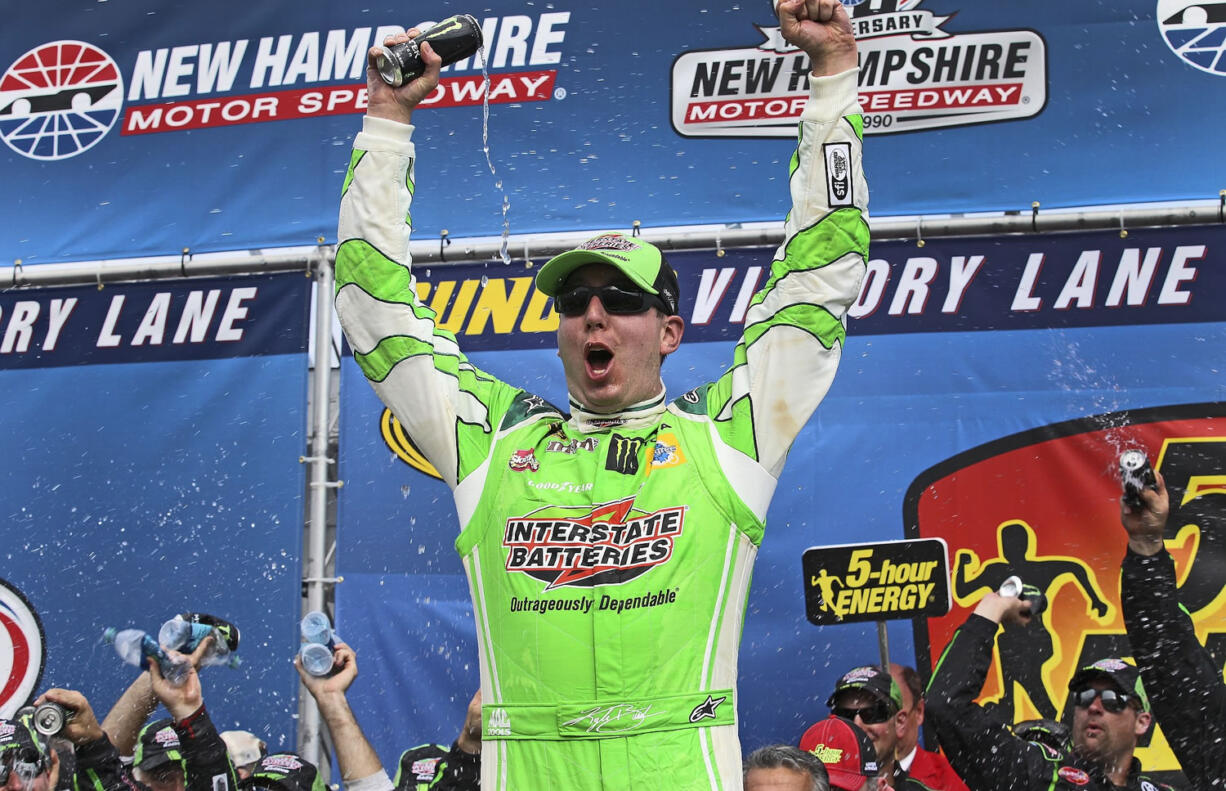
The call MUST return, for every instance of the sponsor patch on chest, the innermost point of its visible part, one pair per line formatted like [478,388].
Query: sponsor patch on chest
[607,544]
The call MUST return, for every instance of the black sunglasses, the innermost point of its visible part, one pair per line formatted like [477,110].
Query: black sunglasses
[1113,701]
[871,715]
[614,298]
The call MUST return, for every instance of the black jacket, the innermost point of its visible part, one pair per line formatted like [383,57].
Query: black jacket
[206,764]
[982,749]
[1185,688]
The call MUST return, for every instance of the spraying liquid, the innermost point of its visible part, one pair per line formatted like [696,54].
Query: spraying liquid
[503,250]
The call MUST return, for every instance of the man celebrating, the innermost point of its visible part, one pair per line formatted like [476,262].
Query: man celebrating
[1188,693]
[660,505]
[1110,713]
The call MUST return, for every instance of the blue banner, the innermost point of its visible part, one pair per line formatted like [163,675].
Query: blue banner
[954,345]
[159,474]
[129,130]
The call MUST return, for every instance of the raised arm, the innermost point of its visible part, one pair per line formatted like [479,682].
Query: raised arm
[796,325]
[361,769]
[980,747]
[448,407]
[1183,682]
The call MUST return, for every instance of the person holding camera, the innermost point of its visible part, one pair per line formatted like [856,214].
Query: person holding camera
[1110,714]
[1184,682]
[27,762]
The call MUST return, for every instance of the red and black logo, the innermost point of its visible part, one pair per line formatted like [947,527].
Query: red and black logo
[609,544]
[22,641]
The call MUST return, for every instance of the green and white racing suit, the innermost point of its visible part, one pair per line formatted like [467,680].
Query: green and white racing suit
[609,556]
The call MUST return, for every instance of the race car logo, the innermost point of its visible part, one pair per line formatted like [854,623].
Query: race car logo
[22,649]
[914,74]
[579,546]
[59,99]
[1195,30]
[524,460]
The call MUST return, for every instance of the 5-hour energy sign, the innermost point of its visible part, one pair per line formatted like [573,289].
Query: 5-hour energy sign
[876,582]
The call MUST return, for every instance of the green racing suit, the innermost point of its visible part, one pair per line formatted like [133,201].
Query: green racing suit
[609,556]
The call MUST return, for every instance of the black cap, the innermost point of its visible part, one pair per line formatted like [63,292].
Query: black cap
[1123,675]
[19,737]
[872,679]
[284,772]
[157,744]
[418,765]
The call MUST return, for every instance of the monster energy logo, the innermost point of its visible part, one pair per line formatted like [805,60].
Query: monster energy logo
[624,454]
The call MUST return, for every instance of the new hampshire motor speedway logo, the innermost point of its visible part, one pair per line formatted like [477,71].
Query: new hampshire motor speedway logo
[579,546]
[914,75]
[61,98]
[1195,30]
[22,649]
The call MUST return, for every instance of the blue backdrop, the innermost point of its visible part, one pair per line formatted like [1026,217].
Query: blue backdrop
[134,129]
[140,481]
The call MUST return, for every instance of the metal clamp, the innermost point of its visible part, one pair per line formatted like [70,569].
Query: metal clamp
[327,484]
[1034,216]
[443,241]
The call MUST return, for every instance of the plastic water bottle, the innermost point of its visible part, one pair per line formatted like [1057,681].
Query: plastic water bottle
[320,641]
[136,648]
[184,632]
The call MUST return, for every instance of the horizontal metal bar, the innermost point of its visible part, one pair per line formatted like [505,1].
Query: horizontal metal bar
[427,251]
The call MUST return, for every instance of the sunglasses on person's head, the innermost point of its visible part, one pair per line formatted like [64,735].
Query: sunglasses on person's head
[871,715]
[616,299]
[1113,701]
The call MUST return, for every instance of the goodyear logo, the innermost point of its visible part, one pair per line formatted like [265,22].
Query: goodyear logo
[876,582]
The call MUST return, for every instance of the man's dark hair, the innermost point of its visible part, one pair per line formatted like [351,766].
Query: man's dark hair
[784,756]
[914,683]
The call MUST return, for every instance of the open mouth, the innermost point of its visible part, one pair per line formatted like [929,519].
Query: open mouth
[598,358]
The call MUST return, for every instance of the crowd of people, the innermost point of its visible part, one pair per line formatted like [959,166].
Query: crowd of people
[869,742]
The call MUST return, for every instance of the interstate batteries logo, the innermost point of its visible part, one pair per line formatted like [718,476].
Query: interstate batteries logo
[608,544]
[1195,30]
[62,97]
[914,75]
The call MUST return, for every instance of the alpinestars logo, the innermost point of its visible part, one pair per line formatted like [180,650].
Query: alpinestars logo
[609,544]
[59,99]
[914,75]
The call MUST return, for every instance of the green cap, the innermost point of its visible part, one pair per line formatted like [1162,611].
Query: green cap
[639,260]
